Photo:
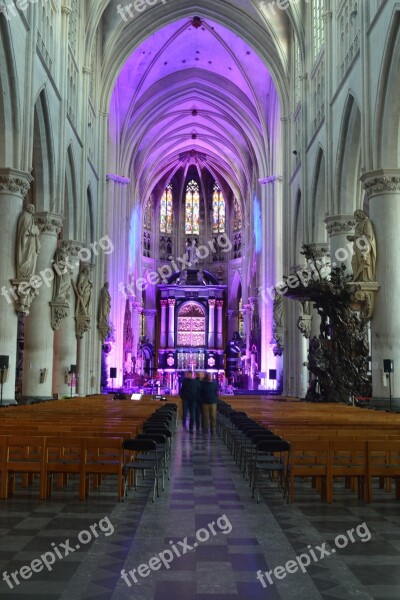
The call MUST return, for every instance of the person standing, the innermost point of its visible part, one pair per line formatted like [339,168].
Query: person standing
[199,404]
[209,393]
[188,394]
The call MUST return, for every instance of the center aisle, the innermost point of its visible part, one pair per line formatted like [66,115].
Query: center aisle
[207,487]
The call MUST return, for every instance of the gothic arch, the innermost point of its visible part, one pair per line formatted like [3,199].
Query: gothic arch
[387,128]
[9,101]
[43,156]
[319,207]
[348,171]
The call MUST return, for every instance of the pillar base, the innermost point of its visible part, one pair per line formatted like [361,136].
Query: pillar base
[384,403]
[7,402]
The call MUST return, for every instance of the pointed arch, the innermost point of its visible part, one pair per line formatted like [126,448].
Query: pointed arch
[43,156]
[319,207]
[10,155]
[70,197]
[387,128]
[348,187]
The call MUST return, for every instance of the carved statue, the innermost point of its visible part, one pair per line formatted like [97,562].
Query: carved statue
[364,257]
[278,310]
[105,304]
[191,251]
[104,311]
[28,244]
[84,292]
[62,279]
[304,322]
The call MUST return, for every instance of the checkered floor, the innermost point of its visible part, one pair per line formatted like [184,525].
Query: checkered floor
[206,487]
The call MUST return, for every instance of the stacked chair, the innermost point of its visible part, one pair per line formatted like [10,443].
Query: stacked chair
[150,451]
[256,450]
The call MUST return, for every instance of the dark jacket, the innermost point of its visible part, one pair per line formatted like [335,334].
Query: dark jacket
[189,390]
[209,392]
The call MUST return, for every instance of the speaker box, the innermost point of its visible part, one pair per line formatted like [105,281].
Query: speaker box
[4,362]
[113,372]
[272,374]
[73,369]
[388,365]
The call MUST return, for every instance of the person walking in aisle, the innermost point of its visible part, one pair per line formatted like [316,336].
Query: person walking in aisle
[209,397]
[199,404]
[188,393]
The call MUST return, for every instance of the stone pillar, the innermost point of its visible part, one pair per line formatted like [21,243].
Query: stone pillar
[171,322]
[246,309]
[163,325]
[150,324]
[14,186]
[232,322]
[211,320]
[341,250]
[65,345]
[37,378]
[220,305]
[383,189]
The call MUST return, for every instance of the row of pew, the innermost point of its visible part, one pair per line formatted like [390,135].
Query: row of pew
[81,437]
[332,443]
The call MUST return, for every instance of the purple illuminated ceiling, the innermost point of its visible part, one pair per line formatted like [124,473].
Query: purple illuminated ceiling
[193,89]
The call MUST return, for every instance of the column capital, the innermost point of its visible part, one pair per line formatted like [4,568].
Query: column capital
[15,181]
[118,179]
[171,301]
[340,224]
[381,181]
[220,304]
[212,302]
[49,222]
[72,247]
[164,303]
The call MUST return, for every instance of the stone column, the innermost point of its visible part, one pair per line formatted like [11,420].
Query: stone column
[383,189]
[220,305]
[150,324]
[171,322]
[341,250]
[232,322]
[65,345]
[14,186]
[246,309]
[37,378]
[211,320]
[163,325]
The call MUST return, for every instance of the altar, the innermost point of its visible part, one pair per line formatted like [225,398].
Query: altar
[192,324]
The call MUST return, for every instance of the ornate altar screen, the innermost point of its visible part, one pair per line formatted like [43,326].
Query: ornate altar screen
[191,326]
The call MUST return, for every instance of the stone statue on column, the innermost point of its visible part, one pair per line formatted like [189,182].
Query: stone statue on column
[83,291]
[278,327]
[60,304]
[364,248]
[28,243]
[304,322]
[104,312]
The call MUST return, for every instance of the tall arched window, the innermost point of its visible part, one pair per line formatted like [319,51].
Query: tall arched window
[219,213]
[147,215]
[166,211]
[237,215]
[192,206]
[318,26]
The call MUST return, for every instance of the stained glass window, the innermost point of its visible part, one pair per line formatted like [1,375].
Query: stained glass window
[219,213]
[166,210]
[192,212]
[147,215]
[318,26]
[237,215]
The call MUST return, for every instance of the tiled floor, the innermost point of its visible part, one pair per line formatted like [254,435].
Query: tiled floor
[206,487]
